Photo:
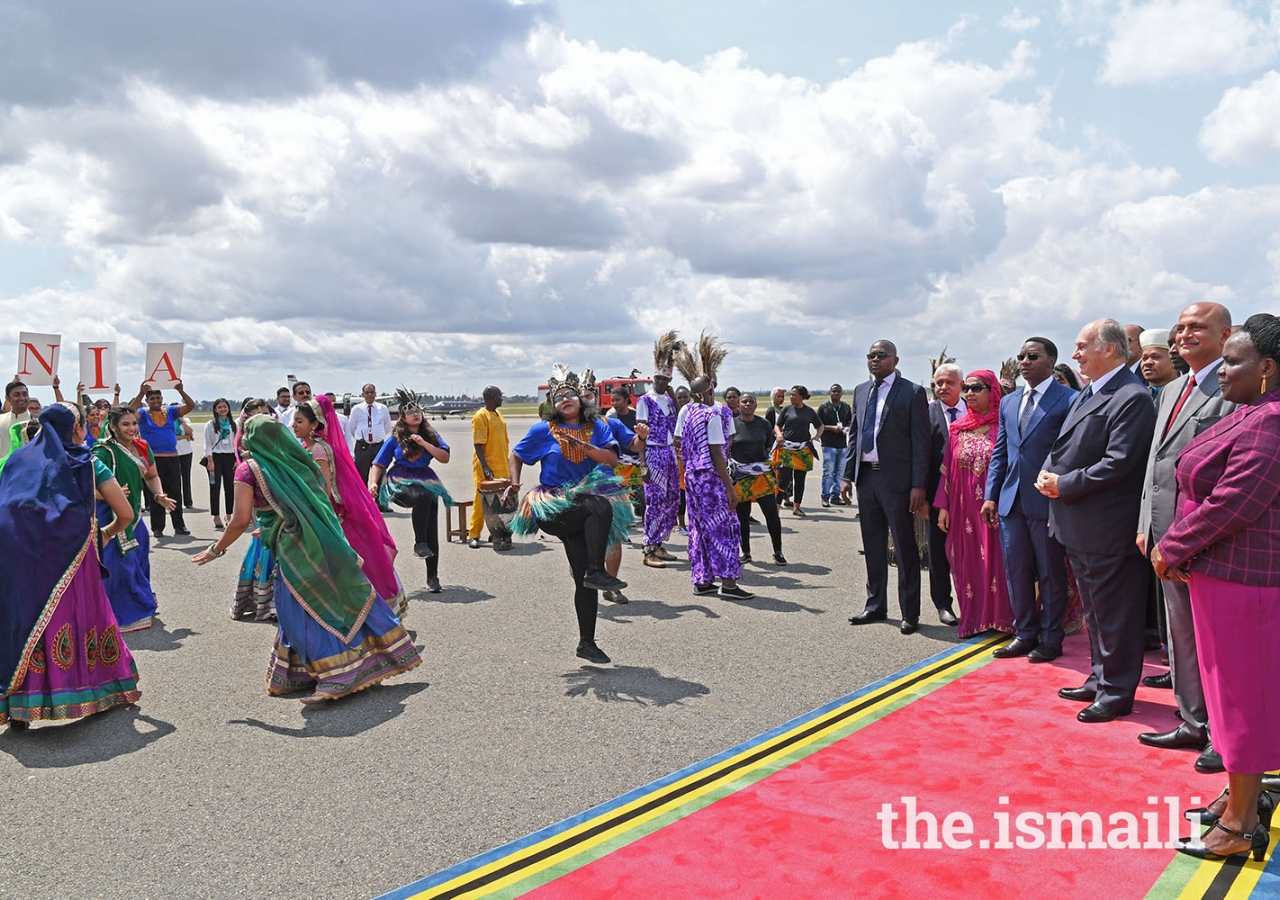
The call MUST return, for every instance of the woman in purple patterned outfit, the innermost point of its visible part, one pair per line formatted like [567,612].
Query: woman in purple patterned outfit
[713,525]
[657,409]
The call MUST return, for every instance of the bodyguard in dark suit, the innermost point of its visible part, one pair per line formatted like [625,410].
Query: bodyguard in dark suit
[945,408]
[1030,420]
[1094,478]
[889,463]
[1185,407]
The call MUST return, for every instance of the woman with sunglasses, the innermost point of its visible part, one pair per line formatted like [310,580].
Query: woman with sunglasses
[973,546]
[578,498]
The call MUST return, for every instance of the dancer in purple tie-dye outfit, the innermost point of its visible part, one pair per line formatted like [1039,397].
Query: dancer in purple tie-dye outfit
[657,409]
[713,525]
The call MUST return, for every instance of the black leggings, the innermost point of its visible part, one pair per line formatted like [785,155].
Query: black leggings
[169,471]
[584,530]
[769,507]
[425,509]
[184,465]
[224,470]
[791,483]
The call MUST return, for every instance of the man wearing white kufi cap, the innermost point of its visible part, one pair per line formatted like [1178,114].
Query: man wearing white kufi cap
[1157,361]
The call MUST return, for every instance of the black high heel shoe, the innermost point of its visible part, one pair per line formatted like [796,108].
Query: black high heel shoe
[1259,840]
[1266,808]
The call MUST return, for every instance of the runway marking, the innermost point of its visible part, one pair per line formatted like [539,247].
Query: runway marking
[524,864]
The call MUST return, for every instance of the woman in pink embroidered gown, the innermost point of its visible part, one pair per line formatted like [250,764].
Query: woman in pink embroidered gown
[973,547]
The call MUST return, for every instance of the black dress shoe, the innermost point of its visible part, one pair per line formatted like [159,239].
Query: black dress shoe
[1159,681]
[947,617]
[1099,712]
[1045,653]
[1016,647]
[866,618]
[602,581]
[909,627]
[1210,761]
[1080,694]
[182,529]
[1182,736]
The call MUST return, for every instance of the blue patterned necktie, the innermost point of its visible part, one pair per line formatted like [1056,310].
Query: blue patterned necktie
[869,419]
[1027,410]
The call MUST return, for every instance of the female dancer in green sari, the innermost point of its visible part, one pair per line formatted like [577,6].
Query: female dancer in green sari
[336,635]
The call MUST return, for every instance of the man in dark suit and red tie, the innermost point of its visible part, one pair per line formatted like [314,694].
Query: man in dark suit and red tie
[889,463]
[1030,420]
[1184,408]
[1094,478]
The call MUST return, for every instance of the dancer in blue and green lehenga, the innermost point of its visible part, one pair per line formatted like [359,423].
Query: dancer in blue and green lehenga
[61,654]
[256,586]
[128,557]
[336,636]
[578,499]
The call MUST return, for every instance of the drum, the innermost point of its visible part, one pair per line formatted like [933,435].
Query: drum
[494,485]
[499,509]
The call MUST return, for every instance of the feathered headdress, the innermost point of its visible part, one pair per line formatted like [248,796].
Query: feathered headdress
[563,377]
[704,359]
[407,400]
[665,349]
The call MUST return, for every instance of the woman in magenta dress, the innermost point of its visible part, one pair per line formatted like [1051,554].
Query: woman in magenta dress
[973,547]
[61,655]
[1223,541]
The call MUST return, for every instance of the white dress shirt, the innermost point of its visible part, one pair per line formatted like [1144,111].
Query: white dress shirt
[881,397]
[370,423]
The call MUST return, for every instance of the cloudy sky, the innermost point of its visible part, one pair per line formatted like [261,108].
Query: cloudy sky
[458,192]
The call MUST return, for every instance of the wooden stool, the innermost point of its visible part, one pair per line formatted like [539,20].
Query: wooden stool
[461,507]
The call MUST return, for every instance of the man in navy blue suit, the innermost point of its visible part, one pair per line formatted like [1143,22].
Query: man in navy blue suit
[1030,419]
[1094,477]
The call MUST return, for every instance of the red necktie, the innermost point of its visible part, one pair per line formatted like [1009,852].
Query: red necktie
[1177,407]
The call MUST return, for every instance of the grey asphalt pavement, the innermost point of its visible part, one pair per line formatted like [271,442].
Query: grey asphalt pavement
[210,788]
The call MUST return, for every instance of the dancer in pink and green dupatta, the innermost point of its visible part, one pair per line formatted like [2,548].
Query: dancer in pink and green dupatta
[336,635]
[973,546]
[61,655]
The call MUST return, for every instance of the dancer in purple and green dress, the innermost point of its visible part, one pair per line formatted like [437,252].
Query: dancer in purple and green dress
[61,654]
[336,635]
[714,535]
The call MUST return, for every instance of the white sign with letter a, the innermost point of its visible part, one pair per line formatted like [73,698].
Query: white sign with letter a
[164,365]
[38,357]
[97,365]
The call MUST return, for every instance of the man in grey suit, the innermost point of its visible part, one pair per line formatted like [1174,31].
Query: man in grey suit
[889,462]
[1093,478]
[944,410]
[1184,408]
[1030,420]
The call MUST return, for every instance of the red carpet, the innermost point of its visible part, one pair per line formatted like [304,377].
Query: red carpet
[808,826]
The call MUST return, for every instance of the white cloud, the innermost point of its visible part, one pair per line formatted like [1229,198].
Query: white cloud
[1019,22]
[564,201]
[1164,39]
[1245,125]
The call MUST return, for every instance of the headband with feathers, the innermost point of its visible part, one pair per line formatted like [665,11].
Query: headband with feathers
[704,360]
[665,349]
[563,377]
[407,400]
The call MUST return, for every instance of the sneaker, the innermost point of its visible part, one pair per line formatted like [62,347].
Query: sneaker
[744,558]
[591,653]
[423,550]
[700,589]
[786,503]
[615,597]
[797,511]
[602,581]
[826,502]
[218,526]
[735,593]
[682,530]
[433,585]
[474,543]
[779,559]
